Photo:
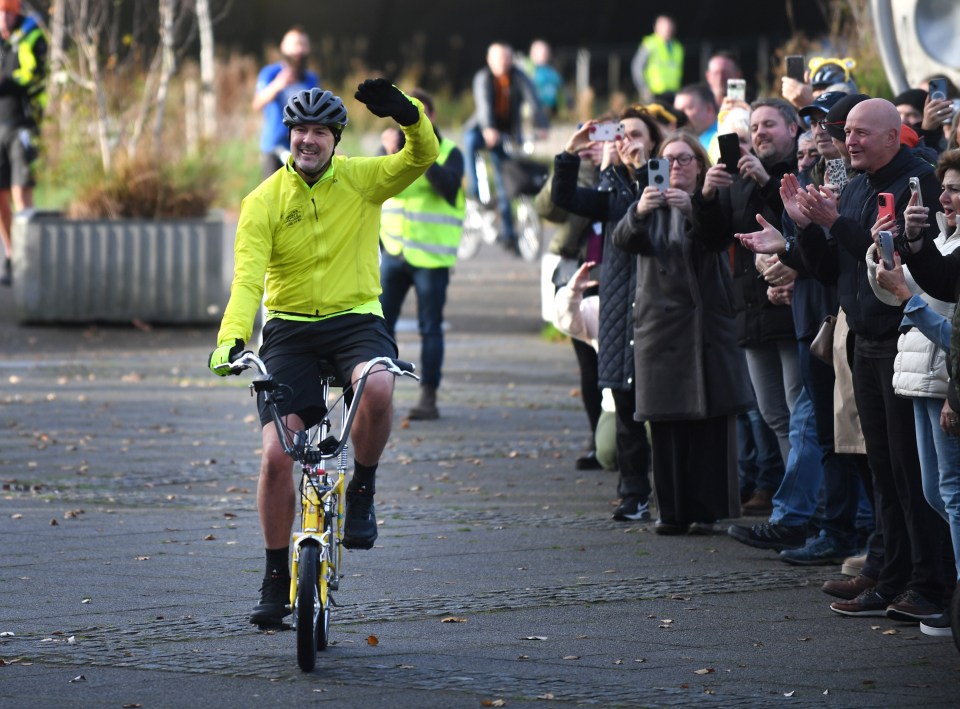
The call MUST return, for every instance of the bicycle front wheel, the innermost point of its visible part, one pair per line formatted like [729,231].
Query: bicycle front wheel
[307,607]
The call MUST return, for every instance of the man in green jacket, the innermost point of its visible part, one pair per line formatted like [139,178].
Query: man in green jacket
[657,67]
[308,238]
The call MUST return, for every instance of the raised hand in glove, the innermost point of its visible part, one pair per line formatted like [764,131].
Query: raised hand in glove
[387,101]
[222,356]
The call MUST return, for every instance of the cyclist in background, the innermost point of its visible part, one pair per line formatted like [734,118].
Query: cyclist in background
[499,92]
[276,83]
[308,236]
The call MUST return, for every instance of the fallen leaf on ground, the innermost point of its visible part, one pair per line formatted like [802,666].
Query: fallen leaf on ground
[790,693]
[704,671]
[78,678]
[452,619]
[372,640]
[571,657]
[534,637]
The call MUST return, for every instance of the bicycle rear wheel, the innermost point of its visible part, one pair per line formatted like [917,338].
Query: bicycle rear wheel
[307,608]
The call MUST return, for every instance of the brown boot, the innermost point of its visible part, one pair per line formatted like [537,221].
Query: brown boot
[760,505]
[426,408]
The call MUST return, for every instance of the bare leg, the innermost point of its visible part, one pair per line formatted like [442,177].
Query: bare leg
[371,427]
[6,222]
[22,197]
[276,502]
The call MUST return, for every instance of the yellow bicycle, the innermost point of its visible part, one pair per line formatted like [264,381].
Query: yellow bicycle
[317,547]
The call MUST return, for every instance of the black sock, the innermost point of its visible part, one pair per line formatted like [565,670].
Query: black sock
[364,476]
[277,563]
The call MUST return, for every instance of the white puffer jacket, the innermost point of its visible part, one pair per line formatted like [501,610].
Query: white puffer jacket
[920,369]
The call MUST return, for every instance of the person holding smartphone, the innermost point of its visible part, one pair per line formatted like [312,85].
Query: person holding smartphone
[623,167]
[689,391]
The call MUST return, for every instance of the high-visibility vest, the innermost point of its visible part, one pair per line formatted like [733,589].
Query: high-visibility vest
[664,68]
[421,224]
[26,69]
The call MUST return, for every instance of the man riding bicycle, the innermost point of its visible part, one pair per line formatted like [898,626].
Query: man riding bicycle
[308,236]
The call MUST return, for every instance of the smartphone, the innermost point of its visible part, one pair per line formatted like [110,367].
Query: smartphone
[737,89]
[886,205]
[914,183]
[605,131]
[886,250]
[795,66]
[729,144]
[658,173]
[937,88]
[836,175]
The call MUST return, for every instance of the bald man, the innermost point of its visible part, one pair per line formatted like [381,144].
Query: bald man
[276,83]
[911,585]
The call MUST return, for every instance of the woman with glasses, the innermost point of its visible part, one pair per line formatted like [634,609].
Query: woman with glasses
[691,377]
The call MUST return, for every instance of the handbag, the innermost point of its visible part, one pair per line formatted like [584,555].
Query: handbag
[822,345]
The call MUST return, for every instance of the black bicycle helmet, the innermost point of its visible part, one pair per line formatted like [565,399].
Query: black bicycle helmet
[829,74]
[315,107]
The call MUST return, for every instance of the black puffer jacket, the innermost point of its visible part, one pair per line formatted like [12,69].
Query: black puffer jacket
[734,210]
[618,270]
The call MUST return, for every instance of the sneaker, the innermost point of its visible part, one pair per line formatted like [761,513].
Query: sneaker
[848,589]
[669,529]
[913,606]
[274,599]
[939,626]
[760,504]
[770,536]
[632,509]
[702,529]
[588,461]
[853,565]
[360,521]
[818,550]
[868,603]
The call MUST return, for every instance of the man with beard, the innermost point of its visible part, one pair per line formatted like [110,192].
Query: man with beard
[276,83]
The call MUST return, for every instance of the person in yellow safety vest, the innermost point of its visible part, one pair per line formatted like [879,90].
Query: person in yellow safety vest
[657,67]
[420,231]
[23,73]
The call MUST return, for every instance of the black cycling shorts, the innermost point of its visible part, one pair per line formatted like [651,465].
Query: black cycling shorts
[295,353]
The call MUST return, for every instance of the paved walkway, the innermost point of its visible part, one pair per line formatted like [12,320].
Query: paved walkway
[132,554]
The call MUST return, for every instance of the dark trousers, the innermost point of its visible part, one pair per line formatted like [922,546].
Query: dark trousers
[396,278]
[913,534]
[589,385]
[633,447]
[691,465]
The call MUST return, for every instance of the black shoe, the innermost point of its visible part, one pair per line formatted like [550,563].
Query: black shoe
[669,529]
[632,508]
[360,522]
[273,606]
[770,536]
[7,278]
[588,461]
[509,244]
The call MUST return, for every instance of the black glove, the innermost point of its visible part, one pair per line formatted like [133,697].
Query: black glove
[386,100]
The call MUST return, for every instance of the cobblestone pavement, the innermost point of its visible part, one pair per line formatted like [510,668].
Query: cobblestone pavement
[131,548]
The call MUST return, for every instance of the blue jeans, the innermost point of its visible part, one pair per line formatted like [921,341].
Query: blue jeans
[939,466]
[430,284]
[775,375]
[474,143]
[796,500]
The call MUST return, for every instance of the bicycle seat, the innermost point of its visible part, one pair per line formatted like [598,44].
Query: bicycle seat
[328,372]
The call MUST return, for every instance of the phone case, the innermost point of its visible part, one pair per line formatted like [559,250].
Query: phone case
[658,173]
[886,250]
[795,67]
[729,144]
[886,205]
[915,188]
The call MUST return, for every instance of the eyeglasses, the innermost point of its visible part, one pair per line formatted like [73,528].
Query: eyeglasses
[824,124]
[684,160]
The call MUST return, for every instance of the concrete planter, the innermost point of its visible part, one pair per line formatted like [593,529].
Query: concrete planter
[174,271]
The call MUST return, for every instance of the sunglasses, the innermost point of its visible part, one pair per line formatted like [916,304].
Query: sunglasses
[824,124]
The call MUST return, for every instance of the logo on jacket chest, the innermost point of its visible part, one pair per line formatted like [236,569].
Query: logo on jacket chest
[294,216]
